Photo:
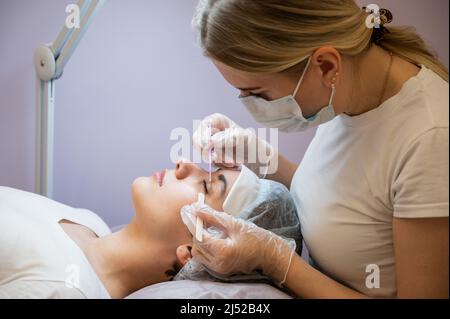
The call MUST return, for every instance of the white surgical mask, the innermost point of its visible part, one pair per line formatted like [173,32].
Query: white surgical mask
[285,113]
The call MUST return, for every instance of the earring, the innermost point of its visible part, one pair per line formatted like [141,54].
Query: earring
[333,80]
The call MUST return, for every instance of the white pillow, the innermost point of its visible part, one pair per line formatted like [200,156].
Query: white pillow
[188,289]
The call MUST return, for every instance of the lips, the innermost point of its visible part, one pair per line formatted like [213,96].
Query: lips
[160,177]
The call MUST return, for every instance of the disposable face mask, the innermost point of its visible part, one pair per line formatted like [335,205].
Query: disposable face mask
[244,191]
[285,113]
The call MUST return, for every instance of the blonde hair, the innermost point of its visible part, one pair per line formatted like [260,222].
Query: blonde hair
[270,36]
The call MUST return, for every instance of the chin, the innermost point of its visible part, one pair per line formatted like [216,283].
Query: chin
[140,188]
[146,201]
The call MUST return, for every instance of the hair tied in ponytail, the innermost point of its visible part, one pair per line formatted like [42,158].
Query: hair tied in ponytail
[382,17]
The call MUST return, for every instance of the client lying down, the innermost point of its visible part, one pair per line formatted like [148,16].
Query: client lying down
[50,250]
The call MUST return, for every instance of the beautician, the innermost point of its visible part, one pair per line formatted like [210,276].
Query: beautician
[372,189]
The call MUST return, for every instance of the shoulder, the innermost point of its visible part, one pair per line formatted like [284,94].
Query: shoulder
[425,115]
[9,194]
[417,118]
[31,205]
[39,289]
[422,104]
[434,98]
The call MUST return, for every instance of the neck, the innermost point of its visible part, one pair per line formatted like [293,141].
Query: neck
[376,80]
[128,260]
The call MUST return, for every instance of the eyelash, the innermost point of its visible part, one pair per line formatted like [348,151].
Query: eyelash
[204,185]
[262,96]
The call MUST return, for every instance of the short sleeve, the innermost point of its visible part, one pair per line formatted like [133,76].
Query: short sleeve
[420,186]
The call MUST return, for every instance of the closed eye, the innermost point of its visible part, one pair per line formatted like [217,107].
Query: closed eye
[261,95]
[204,185]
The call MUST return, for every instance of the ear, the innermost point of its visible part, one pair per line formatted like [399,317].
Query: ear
[328,63]
[184,253]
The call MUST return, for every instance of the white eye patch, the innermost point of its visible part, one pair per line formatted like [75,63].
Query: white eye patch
[243,193]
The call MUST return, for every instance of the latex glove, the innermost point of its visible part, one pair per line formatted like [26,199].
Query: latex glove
[233,145]
[231,245]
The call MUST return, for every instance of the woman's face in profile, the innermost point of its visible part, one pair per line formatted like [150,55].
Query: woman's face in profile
[159,198]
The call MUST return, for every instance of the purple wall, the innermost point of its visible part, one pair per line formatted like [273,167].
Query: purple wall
[136,75]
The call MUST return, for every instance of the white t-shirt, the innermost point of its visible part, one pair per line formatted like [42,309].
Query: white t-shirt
[360,172]
[37,258]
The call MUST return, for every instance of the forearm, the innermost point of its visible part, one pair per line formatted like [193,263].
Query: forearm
[285,172]
[306,282]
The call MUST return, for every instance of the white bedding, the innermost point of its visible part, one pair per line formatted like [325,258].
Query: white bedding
[188,289]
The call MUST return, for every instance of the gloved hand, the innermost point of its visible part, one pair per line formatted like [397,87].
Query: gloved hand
[231,245]
[233,145]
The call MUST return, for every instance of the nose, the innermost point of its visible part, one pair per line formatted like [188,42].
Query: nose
[184,169]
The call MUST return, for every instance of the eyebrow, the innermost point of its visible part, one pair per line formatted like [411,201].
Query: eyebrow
[222,178]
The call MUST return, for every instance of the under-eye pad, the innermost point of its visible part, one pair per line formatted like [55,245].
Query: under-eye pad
[242,193]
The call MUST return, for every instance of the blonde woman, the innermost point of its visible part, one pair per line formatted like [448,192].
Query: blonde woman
[372,189]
